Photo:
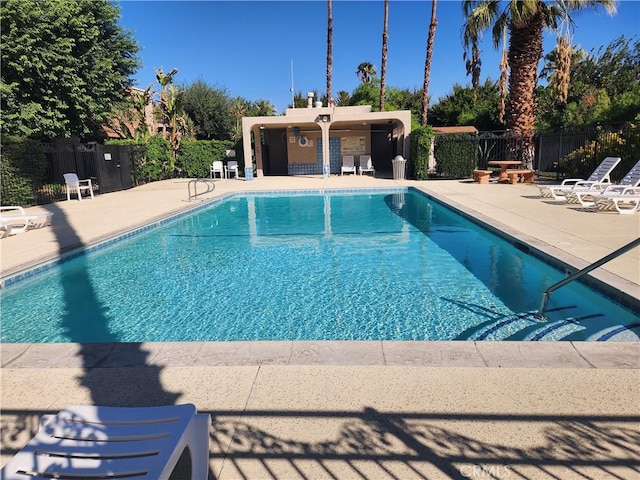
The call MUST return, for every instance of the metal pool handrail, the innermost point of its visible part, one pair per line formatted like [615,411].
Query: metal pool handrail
[547,293]
[211,186]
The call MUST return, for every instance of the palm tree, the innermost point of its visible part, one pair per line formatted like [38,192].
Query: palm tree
[383,65]
[524,20]
[365,72]
[329,48]
[427,63]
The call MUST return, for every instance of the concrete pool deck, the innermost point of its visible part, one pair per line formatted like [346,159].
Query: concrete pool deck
[289,410]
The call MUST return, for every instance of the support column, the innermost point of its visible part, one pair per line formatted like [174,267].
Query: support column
[326,154]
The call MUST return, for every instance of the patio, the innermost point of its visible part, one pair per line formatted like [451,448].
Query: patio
[286,410]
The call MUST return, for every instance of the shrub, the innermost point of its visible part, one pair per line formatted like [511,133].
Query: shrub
[23,170]
[421,140]
[456,154]
[196,156]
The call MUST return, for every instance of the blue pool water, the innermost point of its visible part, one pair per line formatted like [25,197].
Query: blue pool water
[384,265]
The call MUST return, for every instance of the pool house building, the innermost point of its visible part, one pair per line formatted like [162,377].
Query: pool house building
[313,140]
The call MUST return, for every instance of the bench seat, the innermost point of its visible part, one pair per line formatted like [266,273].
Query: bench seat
[522,175]
[481,176]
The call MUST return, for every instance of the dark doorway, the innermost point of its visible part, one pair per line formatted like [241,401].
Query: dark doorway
[275,158]
[382,147]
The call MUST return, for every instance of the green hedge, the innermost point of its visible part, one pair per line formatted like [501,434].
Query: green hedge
[23,171]
[196,156]
[456,154]
[421,139]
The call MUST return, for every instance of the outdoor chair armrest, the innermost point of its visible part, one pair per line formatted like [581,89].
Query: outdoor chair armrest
[20,209]
[568,181]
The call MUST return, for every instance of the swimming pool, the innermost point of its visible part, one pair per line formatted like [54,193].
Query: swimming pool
[378,265]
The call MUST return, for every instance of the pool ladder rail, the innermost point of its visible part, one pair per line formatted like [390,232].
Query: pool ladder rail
[540,316]
[211,186]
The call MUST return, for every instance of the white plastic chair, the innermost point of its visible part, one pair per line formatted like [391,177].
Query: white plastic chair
[348,165]
[217,168]
[366,165]
[84,441]
[19,220]
[232,167]
[74,185]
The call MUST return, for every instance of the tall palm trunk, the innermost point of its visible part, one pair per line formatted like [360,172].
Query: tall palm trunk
[525,52]
[427,63]
[329,49]
[383,66]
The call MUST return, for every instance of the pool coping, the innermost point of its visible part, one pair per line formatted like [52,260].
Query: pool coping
[474,354]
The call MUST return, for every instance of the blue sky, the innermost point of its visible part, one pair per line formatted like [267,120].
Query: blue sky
[246,47]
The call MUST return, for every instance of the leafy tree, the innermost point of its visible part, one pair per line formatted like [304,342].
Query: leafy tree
[366,71]
[344,99]
[64,65]
[464,106]
[604,87]
[172,113]
[209,108]
[524,21]
[367,93]
[129,119]
[261,108]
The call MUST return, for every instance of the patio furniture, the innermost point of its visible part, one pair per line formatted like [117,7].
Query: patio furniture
[85,441]
[217,168]
[586,199]
[520,175]
[231,167]
[348,165]
[504,165]
[596,182]
[366,165]
[625,202]
[75,185]
[481,176]
[19,221]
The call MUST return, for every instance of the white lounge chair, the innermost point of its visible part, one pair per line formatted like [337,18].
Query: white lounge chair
[366,165]
[625,202]
[586,199]
[217,168]
[19,221]
[348,165]
[75,185]
[84,441]
[231,167]
[596,182]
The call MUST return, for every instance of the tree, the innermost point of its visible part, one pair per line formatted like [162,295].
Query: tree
[468,106]
[64,65]
[427,63]
[366,71]
[208,107]
[383,64]
[129,119]
[172,112]
[344,99]
[524,21]
[261,108]
[329,48]
[603,87]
